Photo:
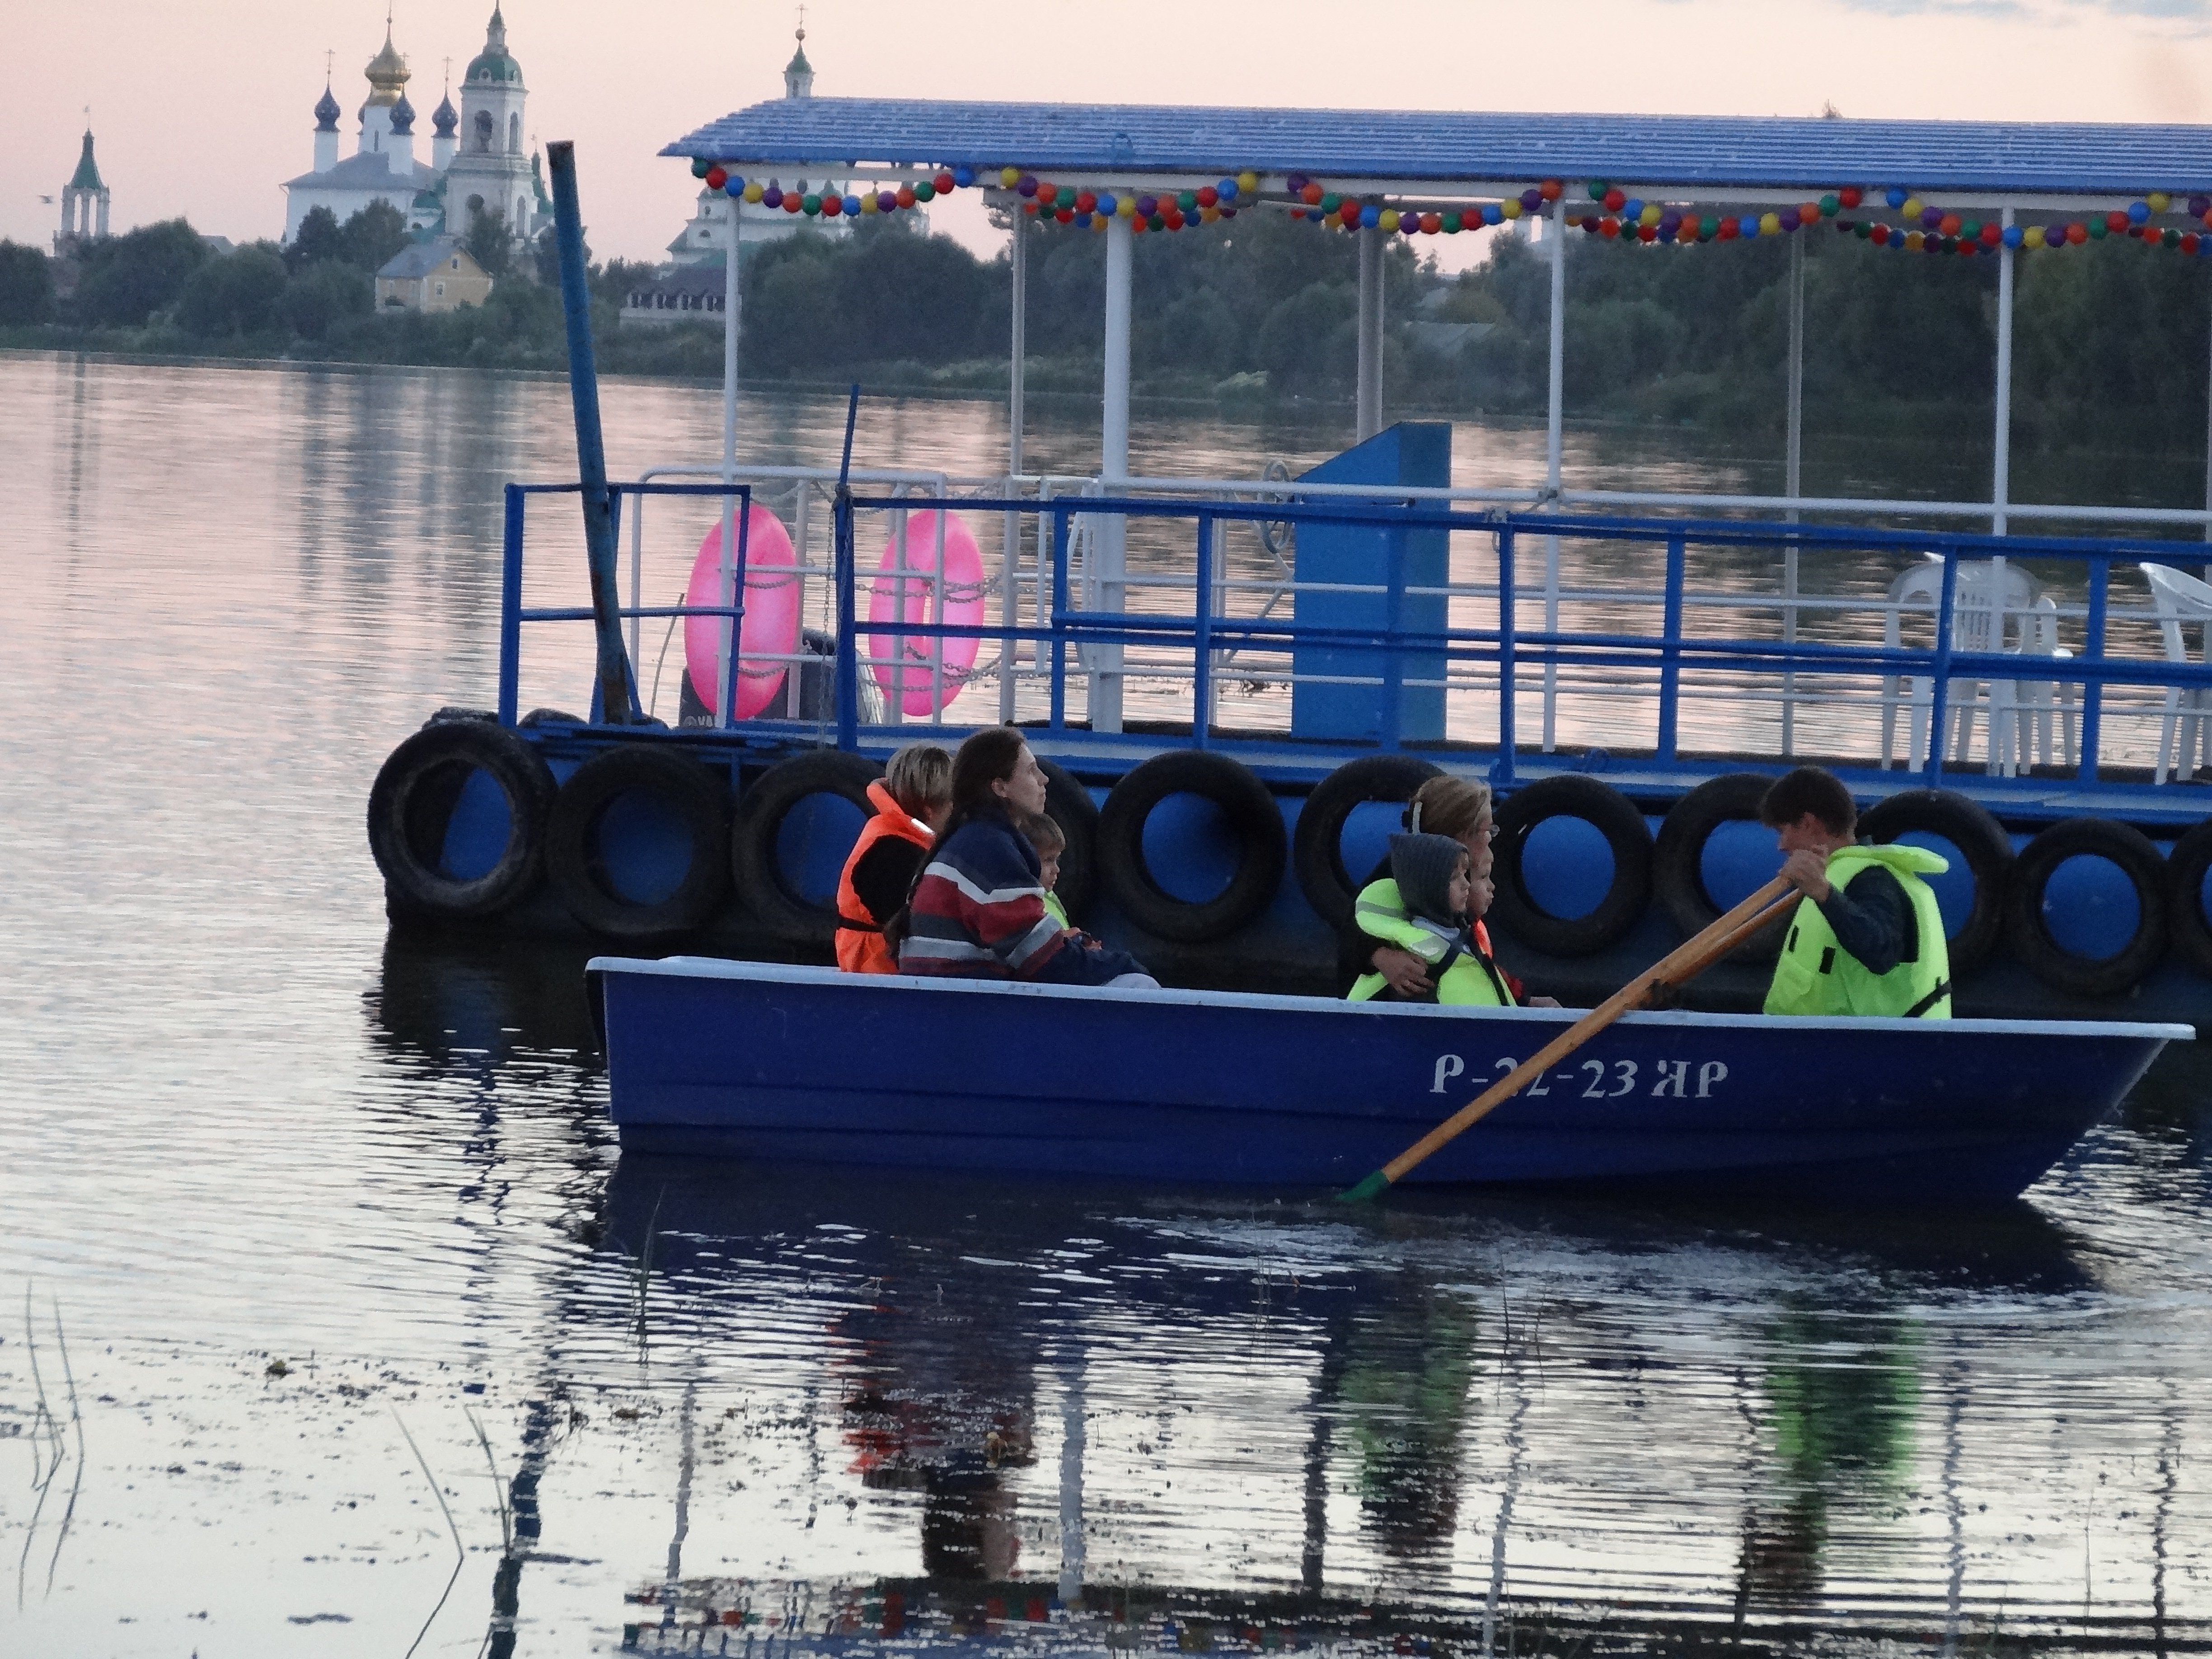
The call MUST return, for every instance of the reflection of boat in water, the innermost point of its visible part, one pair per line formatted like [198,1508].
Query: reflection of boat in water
[722,1058]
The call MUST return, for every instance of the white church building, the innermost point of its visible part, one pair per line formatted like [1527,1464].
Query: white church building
[476,163]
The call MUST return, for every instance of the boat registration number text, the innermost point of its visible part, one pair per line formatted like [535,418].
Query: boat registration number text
[1607,1079]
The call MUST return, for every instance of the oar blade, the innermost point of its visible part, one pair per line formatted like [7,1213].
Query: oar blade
[1367,1191]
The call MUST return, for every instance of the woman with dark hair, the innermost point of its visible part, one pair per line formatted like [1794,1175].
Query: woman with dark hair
[977,909]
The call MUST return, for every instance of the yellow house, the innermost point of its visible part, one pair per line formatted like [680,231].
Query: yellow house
[433,276]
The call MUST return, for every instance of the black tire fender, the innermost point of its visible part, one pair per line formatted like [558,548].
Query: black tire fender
[1070,807]
[762,809]
[1677,872]
[2030,939]
[700,800]
[1252,813]
[1573,795]
[1316,845]
[2185,868]
[1981,841]
[412,801]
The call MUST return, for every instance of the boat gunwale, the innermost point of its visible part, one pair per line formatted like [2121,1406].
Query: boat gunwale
[725,968]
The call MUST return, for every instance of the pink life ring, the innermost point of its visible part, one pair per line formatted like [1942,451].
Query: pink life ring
[770,627]
[903,664]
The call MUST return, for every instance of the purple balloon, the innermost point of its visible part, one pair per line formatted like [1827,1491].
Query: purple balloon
[887,201]
[1930,218]
[1669,223]
[1788,217]
[772,198]
[1531,201]
[1148,205]
[1027,186]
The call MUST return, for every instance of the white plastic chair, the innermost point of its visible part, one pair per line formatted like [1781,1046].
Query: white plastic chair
[2182,601]
[1987,615]
[2036,711]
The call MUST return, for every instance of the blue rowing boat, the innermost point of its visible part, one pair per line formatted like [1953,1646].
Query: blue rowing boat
[714,1057]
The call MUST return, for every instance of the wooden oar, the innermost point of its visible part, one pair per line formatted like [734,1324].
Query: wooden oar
[1769,904]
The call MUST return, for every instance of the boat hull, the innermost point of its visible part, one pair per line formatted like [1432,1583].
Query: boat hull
[724,1059]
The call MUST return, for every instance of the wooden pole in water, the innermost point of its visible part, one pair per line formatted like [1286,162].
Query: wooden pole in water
[1768,905]
[616,696]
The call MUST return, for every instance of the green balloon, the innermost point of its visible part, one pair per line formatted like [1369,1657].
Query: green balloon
[1829,204]
[1971,231]
[2170,237]
[809,205]
[1597,189]
[1708,227]
[1158,221]
[1188,201]
[2097,231]
[923,190]
[701,166]
[1451,222]
[1065,198]
[1330,203]
[1862,229]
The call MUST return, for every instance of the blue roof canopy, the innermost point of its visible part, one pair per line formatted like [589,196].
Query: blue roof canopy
[1705,152]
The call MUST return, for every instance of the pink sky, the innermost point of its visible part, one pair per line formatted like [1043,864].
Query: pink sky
[204,110]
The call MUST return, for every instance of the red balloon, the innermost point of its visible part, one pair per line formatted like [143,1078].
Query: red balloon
[1086,200]
[906,199]
[1608,227]
[1614,200]
[1066,215]
[2116,221]
[1730,228]
[1992,233]
[1138,225]
[1880,236]
[1312,195]
[1949,227]
[2077,233]
[716,178]
[1046,192]
[1647,233]
[1349,213]
[2190,241]
[946,183]
[1549,189]
[1432,223]
[1207,196]
[1173,218]
[790,201]
[832,206]
[1850,196]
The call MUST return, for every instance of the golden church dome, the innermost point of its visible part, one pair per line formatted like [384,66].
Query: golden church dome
[387,73]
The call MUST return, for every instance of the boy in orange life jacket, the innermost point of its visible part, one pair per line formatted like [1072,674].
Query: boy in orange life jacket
[911,800]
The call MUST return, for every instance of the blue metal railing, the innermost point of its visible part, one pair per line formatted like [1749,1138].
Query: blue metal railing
[1508,649]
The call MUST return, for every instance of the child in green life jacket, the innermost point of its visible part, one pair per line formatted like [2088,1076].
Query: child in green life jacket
[1050,840]
[1440,903]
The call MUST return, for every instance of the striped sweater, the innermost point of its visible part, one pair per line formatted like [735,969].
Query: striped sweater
[979,912]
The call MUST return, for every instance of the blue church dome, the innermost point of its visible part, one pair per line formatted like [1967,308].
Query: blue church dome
[444,117]
[402,117]
[326,112]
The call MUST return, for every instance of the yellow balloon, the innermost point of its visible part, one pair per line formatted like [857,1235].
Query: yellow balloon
[1510,207]
[1914,241]
[2032,237]
[1912,206]
[1209,215]
[753,192]
[2160,201]
[1769,224]
[1651,214]
[1389,219]
[1125,204]
[1099,221]
[1009,177]
[1248,183]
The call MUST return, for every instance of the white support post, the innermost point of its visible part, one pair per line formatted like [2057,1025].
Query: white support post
[1368,416]
[728,633]
[1555,456]
[1114,474]
[1793,482]
[1072,1438]
[2001,482]
[1009,556]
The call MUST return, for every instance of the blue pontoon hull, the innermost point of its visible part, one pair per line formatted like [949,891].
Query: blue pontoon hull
[745,1059]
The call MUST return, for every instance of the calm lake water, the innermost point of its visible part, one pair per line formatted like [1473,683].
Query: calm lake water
[323,1278]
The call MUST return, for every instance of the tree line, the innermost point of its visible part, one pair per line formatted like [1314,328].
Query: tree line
[2111,339]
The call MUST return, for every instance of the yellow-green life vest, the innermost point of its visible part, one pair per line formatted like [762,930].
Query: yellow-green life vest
[1469,978]
[1816,975]
[1058,911]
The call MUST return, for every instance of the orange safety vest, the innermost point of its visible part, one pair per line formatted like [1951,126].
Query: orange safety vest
[861,947]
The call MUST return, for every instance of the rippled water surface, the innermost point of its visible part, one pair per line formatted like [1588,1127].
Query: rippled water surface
[329,1315]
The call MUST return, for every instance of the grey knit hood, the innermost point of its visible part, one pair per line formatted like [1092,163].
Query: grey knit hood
[1422,866]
